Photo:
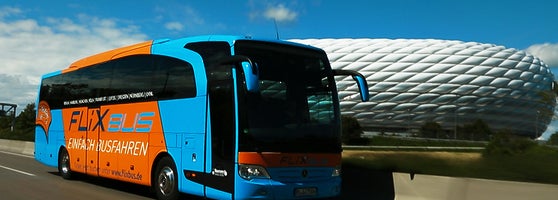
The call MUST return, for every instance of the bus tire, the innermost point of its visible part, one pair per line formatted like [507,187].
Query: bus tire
[165,180]
[64,164]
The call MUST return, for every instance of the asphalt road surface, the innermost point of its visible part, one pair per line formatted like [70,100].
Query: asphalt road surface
[24,178]
[423,187]
[21,177]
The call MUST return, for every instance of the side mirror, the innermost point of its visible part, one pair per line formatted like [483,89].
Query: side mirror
[359,78]
[248,67]
[251,76]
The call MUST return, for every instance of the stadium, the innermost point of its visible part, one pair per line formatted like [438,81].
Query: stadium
[452,83]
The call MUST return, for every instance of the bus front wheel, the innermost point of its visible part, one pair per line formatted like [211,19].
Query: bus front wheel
[165,180]
[64,164]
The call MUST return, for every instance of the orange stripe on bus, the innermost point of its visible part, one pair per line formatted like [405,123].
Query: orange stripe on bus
[140,48]
[276,159]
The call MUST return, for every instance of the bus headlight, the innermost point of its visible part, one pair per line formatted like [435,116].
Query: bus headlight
[336,171]
[250,172]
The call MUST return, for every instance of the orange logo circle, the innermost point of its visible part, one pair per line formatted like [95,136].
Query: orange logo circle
[44,116]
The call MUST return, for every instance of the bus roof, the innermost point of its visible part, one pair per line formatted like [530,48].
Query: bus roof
[145,48]
[139,48]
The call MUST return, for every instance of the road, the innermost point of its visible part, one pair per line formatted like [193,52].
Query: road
[423,187]
[24,178]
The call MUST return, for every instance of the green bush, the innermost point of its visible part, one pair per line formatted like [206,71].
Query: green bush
[504,143]
[553,140]
[25,135]
[351,132]
[478,130]
[24,127]
[431,130]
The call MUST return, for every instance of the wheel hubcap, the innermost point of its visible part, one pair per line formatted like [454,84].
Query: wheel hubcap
[64,163]
[166,181]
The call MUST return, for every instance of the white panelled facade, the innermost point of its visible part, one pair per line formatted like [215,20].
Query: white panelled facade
[414,81]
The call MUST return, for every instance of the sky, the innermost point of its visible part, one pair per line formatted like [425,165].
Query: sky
[38,37]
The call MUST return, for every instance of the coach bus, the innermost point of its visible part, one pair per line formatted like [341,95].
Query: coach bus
[221,117]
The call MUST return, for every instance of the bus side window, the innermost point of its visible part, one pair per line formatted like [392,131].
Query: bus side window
[174,78]
[132,74]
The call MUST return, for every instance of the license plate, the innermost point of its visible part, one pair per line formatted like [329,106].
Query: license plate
[302,192]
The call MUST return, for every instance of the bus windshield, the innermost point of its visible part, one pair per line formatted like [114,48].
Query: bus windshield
[295,109]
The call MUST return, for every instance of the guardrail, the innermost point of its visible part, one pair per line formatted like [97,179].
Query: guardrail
[424,148]
[16,146]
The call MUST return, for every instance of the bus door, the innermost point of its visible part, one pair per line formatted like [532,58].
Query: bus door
[92,155]
[219,172]
[220,181]
[107,161]
[75,135]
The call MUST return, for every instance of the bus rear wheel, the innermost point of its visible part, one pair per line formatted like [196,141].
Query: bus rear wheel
[165,180]
[64,164]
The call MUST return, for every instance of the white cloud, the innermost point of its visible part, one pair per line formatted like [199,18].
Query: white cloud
[7,11]
[174,26]
[17,89]
[194,18]
[181,19]
[547,52]
[31,48]
[280,13]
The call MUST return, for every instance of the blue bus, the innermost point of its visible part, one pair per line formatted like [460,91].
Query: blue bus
[221,117]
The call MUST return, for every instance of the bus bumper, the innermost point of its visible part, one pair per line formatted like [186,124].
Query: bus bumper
[270,189]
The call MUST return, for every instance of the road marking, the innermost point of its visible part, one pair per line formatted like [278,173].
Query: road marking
[17,154]
[18,171]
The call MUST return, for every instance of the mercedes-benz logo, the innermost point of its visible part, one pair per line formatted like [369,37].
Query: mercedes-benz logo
[304,173]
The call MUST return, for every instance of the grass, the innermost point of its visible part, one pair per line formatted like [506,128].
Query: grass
[539,166]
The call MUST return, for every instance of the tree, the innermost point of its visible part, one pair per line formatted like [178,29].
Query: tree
[553,140]
[5,123]
[26,119]
[350,130]
[430,130]
[505,143]
[478,130]
[24,128]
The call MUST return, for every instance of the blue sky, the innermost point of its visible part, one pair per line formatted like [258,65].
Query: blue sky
[514,24]
[38,37]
